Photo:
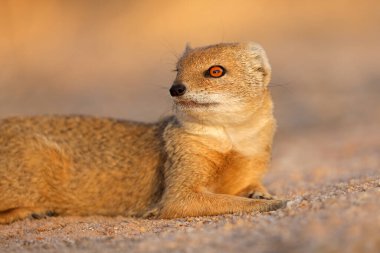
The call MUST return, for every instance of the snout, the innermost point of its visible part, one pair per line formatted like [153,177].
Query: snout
[177,90]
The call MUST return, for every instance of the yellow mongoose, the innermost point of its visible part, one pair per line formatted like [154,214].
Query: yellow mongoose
[208,159]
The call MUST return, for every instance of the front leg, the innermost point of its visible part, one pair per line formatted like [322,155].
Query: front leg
[190,203]
[191,171]
[188,192]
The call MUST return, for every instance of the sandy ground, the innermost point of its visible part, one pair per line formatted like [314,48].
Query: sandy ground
[331,177]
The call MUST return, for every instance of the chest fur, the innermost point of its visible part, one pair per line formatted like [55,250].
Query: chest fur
[247,140]
[235,173]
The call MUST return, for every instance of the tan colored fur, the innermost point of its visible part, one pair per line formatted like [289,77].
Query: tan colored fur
[208,159]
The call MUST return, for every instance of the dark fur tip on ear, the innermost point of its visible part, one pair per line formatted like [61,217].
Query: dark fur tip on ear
[188,47]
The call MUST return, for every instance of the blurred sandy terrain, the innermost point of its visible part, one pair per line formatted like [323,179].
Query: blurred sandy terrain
[114,58]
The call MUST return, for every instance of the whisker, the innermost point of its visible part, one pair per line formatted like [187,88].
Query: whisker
[165,113]
[285,86]
[278,84]
[170,48]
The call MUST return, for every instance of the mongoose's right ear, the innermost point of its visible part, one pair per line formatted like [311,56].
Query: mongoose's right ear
[260,53]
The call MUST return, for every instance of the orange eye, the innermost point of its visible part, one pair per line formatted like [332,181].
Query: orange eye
[216,71]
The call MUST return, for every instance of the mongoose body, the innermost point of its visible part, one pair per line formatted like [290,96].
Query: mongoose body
[207,159]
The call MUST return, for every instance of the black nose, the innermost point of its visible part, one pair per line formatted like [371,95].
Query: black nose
[177,90]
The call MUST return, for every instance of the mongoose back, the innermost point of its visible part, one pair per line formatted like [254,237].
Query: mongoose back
[207,159]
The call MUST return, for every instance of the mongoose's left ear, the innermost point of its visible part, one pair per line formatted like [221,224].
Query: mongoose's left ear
[262,56]
[187,48]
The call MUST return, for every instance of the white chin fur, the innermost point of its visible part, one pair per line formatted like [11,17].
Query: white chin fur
[205,98]
[219,109]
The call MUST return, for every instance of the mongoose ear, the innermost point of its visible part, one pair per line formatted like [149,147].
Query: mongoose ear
[260,54]
[187,48]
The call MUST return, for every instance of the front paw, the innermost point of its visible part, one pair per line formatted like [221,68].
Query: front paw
[261,195]
[43,214]
[151,213]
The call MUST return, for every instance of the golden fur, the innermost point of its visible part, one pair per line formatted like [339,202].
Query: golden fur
[208,159]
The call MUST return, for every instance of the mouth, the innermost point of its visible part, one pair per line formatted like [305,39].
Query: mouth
[192,103]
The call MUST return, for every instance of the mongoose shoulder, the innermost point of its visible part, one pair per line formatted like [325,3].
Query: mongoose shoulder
[207,159]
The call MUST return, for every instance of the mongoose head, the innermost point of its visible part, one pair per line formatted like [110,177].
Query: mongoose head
[221,81]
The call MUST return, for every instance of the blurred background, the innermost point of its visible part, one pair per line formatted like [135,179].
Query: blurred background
[115,58]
